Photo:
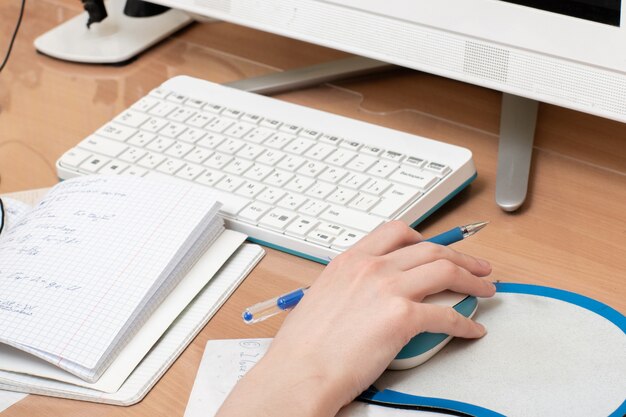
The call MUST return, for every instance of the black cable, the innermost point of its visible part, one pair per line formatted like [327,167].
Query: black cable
[17,27]
[2,217]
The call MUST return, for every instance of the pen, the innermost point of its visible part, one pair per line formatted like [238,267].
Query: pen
[269,308]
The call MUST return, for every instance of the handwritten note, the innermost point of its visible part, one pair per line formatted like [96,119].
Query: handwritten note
[77,270]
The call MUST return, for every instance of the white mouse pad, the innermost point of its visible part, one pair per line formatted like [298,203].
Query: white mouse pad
[548,352]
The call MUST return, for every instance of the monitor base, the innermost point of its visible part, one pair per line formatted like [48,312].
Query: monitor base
[115,40]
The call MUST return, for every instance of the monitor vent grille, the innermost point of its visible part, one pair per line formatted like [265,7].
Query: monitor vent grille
[485,61]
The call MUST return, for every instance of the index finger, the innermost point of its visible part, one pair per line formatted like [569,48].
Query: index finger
[387,238]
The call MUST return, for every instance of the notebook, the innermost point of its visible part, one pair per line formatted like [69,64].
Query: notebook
[548,352]
[85,268]
[172,343]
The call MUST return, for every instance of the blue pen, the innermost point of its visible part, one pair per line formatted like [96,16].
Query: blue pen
[269,308]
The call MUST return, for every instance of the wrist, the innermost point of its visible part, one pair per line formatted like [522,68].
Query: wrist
[296,387]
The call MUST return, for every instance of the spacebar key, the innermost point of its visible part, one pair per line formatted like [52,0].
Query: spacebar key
[231,204]
[352,219]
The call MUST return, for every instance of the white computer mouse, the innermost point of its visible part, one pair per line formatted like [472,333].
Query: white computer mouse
[425,345]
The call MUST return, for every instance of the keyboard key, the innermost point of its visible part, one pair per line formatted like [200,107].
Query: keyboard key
[135,171]
[333,175]
[376,186]
[394,201]
[341,196]
[231,146]
[251,118]
[383,168]
[250,189]
[210,177]
[162,109]
[190,172]
[414,177]
[237,166]
[116,131]
[181,114]
[333,140]
[292,201]
[200,119]
[372,150]
[301,226]
[179,149]
[300,184]
[332,229]
[346,239]
[393,156]
[352,145]
[277,219]
[340,157]
[354,180]
[151,160]
[218,160]
[258,172]
[259,134]
[103,146]
[320,237]
[170,166]
[312,168]
[229,183]
[160,144]
[351,218]
[320,190]
[313,207]
[211,141]
[213,108]
[299,146]
[160,93]
[438,168]
[74,157]
[191,135]
[271,195]
[271,123]
[250,151]
[176,98]
[145,104]
[234,113]
[172,129]
[219,124]
[364,202]
[94,163]
[154,124]
[254,211]
[115,167]
[279,140]
[291,162]
[289,128]
[270,157]
[361,163]
[132,155]
[320,151]
[310,134]
[132,118]
[278,178]
[198,155]
[141,139]
[239,129]
[415,162]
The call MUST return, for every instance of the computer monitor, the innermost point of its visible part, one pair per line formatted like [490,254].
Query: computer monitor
[571,53]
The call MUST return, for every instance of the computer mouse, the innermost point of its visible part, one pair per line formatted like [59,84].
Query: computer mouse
[425,345]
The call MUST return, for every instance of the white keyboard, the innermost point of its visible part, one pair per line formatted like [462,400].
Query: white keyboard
[293,178]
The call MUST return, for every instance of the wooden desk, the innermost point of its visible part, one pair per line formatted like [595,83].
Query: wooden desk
[571,233]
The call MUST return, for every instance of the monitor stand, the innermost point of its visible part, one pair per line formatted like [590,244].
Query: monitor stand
[518,118]
[115,40]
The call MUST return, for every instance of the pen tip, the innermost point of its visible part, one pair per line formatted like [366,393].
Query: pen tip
[475,227]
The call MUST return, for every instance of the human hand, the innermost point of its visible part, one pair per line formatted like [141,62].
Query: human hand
[357,316]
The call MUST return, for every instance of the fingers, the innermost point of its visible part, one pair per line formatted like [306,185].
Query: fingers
[442,319]
[441,275]
[412,256]
[388,238]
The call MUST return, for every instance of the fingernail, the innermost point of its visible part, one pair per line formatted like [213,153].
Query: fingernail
[484,263]
[483,328]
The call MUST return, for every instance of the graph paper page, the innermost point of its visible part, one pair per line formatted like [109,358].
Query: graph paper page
[73,270]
